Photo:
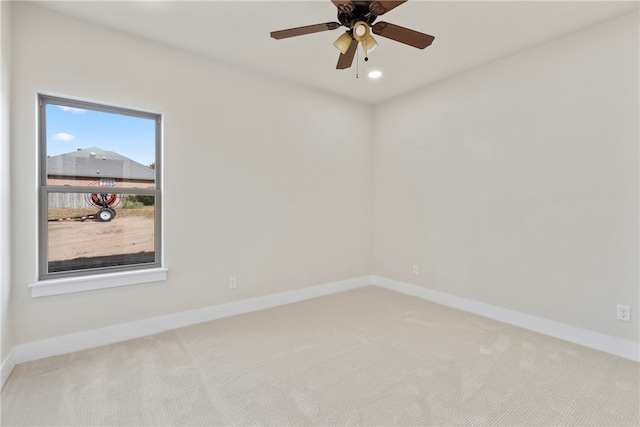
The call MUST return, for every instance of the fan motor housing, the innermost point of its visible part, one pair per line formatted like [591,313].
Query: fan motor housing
[360,12]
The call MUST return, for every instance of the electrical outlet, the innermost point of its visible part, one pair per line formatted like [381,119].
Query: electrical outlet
[624,313]
[415,270]
[233,282]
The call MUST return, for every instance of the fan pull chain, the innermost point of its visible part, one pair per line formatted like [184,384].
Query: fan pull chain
[357,63]
[366,49]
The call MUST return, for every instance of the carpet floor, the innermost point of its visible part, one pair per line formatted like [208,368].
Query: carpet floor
[364,357]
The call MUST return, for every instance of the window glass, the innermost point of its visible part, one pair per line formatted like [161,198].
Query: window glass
[82,234]
[85,146]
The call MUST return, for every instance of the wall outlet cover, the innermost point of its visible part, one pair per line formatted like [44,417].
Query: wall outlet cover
[623,312]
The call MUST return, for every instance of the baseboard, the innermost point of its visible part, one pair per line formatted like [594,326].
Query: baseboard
[584,337]
[104,336]
[5,369]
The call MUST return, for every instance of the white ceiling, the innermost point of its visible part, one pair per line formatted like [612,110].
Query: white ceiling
[467,34]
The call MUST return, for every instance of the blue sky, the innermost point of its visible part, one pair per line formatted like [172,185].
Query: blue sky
[70,128]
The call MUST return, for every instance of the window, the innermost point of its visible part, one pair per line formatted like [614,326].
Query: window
[99,202]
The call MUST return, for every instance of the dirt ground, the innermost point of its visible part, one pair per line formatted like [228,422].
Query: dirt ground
[122,235]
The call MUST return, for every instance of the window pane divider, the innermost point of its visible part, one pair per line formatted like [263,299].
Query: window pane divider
[98,189]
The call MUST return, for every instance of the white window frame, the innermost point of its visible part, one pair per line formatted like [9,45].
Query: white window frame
[103,277]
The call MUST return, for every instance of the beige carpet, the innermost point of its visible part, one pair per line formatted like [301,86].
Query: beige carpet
[364,357]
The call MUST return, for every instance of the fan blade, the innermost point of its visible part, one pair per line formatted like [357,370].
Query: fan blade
[381,7]
[309,29]
[345,6]
[345,61]
[403,35]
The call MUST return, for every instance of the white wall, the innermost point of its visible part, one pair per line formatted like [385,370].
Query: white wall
[516,184]
[264,180]
[5,189]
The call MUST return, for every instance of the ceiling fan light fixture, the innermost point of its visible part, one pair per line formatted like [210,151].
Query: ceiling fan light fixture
[361,31]
[369,44]
[343,42]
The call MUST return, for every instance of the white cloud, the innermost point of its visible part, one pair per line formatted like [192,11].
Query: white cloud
[63,137]
[72,110]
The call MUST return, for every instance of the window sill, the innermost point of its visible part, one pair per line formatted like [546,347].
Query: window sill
[69,285]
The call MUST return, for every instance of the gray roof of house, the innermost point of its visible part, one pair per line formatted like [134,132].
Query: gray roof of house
[98,163]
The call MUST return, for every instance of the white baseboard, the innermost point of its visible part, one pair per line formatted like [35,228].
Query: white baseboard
[103,336]
[5,369]
[584,337]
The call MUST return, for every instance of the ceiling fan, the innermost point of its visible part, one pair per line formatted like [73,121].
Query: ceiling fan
[358,18]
